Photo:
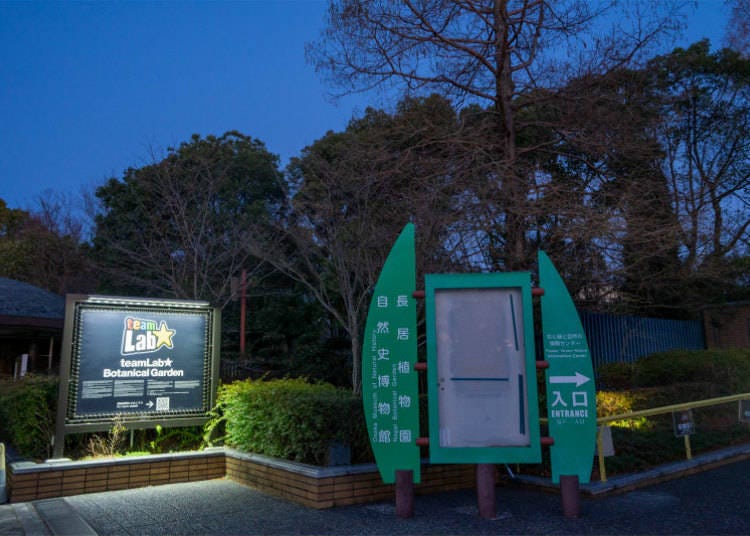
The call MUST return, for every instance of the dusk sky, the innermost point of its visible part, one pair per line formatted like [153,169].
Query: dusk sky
[88,89]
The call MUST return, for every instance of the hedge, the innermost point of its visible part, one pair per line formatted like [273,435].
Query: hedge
[725,371]
[291,419]
[27,414]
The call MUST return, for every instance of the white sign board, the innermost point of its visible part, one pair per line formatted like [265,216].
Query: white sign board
[481,366]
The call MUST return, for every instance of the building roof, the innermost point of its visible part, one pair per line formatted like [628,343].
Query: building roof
[26,301]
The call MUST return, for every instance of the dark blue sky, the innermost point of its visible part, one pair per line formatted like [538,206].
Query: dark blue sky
[89,89]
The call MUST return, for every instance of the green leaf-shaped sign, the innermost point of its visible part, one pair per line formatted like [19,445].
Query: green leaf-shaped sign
[389,351]
[571,395]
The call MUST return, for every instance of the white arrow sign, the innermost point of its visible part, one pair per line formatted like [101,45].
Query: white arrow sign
[150,404]
[579,379]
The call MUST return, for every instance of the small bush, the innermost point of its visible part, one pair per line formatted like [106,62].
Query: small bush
[161,439]
[111,444]
[291,419]
[27,414]
[619,402]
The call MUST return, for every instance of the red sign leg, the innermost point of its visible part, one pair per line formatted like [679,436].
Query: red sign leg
[486,490]
[404,494]
[571,495]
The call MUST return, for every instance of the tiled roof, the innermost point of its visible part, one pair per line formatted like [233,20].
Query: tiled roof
[28,301]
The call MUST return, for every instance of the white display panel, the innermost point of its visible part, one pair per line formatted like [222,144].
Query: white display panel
[481,367]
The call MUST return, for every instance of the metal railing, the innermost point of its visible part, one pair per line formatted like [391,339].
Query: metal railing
[658,411]
[615,338]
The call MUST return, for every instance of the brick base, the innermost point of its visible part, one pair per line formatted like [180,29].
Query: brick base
[325,488]
[29,482]
[311,486]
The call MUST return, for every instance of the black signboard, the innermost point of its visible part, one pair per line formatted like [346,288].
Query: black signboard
[683,423]
[744,408]
[145,362]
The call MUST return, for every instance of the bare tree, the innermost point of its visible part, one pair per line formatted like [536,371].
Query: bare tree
[706,136]
[490,53]
[46,247]
[352,198]
[738,28]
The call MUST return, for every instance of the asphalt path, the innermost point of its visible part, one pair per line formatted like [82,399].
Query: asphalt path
[712,502]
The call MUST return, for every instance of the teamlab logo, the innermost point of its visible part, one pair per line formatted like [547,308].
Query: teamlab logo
[141,336]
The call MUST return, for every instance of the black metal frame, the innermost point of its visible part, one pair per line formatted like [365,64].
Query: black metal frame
[67,420]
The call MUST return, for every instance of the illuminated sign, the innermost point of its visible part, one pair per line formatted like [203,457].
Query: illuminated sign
[144,361]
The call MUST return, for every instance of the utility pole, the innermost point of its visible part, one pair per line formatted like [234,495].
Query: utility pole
[243,311]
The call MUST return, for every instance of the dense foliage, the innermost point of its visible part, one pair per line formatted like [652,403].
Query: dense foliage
[723,372]
[45,247]
[27,414]
[176,227]
[672,378]
[632,177]
[291,419]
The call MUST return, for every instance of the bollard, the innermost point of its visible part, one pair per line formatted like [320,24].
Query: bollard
[3,496]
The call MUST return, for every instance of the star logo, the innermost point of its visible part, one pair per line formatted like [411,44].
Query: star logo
[164,336]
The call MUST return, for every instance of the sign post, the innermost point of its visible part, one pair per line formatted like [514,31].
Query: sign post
[744,411]
[3,495]
[145,361]
[571,395]
[481,376]
[481,370]
[390,388]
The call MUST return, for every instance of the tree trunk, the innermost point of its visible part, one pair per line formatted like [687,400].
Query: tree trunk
[512,189]
[356,364]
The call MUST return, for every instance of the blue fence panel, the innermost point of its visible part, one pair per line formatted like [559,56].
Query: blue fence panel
[627,338]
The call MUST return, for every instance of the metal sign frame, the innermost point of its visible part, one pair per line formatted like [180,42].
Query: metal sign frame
[525,382]
[121,333]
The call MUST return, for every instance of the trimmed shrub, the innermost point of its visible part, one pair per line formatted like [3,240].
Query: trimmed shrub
[291,419]
[27,414]
[615,376]
[727,370]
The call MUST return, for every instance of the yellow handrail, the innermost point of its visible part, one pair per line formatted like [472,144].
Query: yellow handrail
[659,411]
[673,407]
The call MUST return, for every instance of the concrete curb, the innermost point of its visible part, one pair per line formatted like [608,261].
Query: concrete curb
[661,473]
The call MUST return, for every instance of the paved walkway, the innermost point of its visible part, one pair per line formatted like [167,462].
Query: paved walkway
[713,502]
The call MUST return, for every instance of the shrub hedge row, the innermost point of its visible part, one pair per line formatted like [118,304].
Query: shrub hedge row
[671,378]
[291,419]
[298,420]
[727,371]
